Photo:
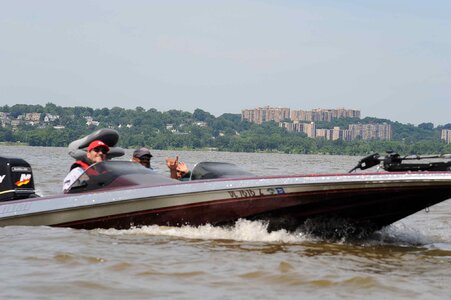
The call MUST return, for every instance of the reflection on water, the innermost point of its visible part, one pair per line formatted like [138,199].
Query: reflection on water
[410,259]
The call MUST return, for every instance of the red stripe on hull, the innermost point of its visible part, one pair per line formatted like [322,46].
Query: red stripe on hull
[377,207]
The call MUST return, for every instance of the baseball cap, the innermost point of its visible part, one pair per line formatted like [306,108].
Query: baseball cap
[98,143]
[141,153]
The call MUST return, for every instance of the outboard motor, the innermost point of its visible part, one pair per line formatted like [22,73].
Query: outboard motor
[16,179]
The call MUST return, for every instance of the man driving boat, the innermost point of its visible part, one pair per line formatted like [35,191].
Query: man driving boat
[97,151]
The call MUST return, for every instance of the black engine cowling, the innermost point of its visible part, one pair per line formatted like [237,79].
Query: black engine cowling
[16,179]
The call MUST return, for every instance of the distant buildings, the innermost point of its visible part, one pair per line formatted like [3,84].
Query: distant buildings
[90,121]
[304,121]
[201,124]
[446,135]
[308,128]
[279,114]
[265,114]
[371,131]
[50,118]
[4,119]
[33,117]
[354,131]
[292,120]
[326,115]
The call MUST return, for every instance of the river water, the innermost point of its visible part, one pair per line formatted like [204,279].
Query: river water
[410,259]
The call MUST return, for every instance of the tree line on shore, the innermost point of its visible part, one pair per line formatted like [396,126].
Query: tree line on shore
[175,129]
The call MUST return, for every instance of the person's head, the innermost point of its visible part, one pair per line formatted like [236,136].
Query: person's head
[97,151]
[142,156]
[182,169]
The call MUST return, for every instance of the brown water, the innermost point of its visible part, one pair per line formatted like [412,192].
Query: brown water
[410,259]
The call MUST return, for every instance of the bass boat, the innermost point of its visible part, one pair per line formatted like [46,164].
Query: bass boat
[123,194]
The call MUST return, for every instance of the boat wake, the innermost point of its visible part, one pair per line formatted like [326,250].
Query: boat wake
[397,234]
[242,230]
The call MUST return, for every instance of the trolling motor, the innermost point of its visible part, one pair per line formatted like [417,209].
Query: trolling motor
[16,179]
[367,162]
[393,162]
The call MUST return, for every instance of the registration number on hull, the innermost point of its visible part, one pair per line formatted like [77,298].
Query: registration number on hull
[256,192]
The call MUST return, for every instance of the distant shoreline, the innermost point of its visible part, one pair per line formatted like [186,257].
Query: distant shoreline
[186,149]
[13,144]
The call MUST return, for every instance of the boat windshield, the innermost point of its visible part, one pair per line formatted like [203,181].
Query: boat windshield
[214,169]
[116,174]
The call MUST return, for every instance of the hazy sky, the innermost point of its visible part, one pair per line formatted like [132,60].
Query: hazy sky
[388,58]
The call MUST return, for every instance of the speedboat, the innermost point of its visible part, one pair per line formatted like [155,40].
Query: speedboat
[122,194]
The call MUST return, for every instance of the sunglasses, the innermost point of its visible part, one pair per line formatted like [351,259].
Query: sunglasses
[98,149]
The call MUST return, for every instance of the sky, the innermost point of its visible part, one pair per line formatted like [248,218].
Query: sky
[387,58]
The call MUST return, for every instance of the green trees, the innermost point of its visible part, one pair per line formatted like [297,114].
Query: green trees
[184,130]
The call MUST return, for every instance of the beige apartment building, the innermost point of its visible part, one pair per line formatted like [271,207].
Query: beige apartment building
[308,128]
[363,131]
[371,131]
[330,134]
[326,115]
[446,135]
[278,114]
[265,114]
[304,121]
[324,133]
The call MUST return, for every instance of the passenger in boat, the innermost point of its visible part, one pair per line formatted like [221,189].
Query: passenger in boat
[179,170]
[97,151]
[142,156]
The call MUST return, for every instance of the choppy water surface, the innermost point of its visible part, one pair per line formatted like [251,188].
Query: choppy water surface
[410,259]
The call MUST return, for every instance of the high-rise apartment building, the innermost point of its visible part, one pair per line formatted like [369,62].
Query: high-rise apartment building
[363,131]
[308,128]
[265,114]
[320,114]
[278,114]
[304,121]
[446,135]
[371,131]
[324,133]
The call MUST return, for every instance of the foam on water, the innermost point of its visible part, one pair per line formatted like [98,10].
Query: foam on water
[401,233]
[242,230]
